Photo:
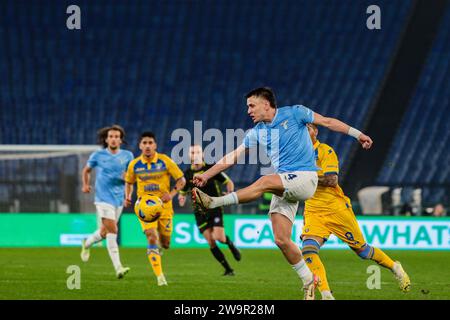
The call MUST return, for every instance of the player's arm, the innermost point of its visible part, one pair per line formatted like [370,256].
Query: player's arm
[227,161]
[128,193]
[328,180]
[182,193]
[230,186]
[86,177]
[179,185]
[130,179]
[177,175]
[86,174]
[224,179]
[339,126]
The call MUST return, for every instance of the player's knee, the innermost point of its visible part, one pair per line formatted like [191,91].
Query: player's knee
[211,241]
[310,246]
[365,252]
[151,237]
[282,242]
[219,237]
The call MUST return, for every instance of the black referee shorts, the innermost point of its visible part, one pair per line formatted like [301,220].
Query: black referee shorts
[212,218]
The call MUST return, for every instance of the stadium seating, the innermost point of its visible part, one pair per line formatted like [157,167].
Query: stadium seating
[419,154]
[161,65]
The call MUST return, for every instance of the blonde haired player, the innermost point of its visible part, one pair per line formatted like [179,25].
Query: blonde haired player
[329,211]
[152,172]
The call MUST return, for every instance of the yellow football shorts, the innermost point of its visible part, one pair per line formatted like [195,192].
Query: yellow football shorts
[164,224]
[343,224]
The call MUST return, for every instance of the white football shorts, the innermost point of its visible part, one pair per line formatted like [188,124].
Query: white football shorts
[108,211]
[298,186]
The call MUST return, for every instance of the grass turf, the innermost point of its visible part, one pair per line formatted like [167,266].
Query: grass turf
[40,273]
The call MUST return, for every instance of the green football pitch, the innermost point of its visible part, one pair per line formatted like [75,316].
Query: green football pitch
[41,273]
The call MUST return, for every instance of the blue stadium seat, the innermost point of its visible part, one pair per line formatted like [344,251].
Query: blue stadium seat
[160,65]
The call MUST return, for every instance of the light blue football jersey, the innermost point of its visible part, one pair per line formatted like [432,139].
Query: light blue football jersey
[110,169]
[286,140]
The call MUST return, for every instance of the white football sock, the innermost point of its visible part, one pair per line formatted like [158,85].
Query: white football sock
[113,249]
[303,271]
[227,200]
[93,238]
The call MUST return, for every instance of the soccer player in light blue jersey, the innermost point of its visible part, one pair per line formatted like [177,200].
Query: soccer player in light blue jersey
[110,164]
[283,135]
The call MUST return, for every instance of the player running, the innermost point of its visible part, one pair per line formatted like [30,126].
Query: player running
[110,164]
[282,133]
[210,223]
[329,211]
[152,171]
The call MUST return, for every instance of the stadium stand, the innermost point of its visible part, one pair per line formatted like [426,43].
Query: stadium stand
[67,84]
[161,65]
[419,153]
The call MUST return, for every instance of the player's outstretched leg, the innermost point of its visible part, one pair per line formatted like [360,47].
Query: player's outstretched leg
[377,255]
[88,242]
[271,183]
[310,250]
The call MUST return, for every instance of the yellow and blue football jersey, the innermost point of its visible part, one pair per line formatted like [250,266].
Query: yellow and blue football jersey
[326,200]
[153,177]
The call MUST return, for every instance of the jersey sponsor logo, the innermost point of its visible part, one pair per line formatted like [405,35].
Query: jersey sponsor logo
[151,187]
[147,177]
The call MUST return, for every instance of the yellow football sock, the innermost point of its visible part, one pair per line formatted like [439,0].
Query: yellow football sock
[316,266]
[382,258]
[155,260]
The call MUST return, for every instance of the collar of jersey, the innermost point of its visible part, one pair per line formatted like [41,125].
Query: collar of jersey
[154,159]
[110,153]
[273,120]
[204,164]
[316,145]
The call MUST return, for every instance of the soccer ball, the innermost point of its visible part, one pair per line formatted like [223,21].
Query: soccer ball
[148,208]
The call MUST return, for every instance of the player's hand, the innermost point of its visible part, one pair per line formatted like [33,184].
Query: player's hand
[166,197]
[127,202]
[86,188]
[200,180]
[181,200]
[365,141]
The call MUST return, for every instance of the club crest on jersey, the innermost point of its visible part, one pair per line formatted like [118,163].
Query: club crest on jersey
[284,124]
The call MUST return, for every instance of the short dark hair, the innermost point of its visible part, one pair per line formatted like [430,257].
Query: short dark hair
[264,92]
[102,134]
[147,134]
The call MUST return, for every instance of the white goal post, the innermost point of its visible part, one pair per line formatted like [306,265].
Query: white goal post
[44,178]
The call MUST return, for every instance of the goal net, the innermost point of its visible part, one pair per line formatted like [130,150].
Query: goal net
[44,178]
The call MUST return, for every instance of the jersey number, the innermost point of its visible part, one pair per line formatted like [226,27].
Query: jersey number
[291,176]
